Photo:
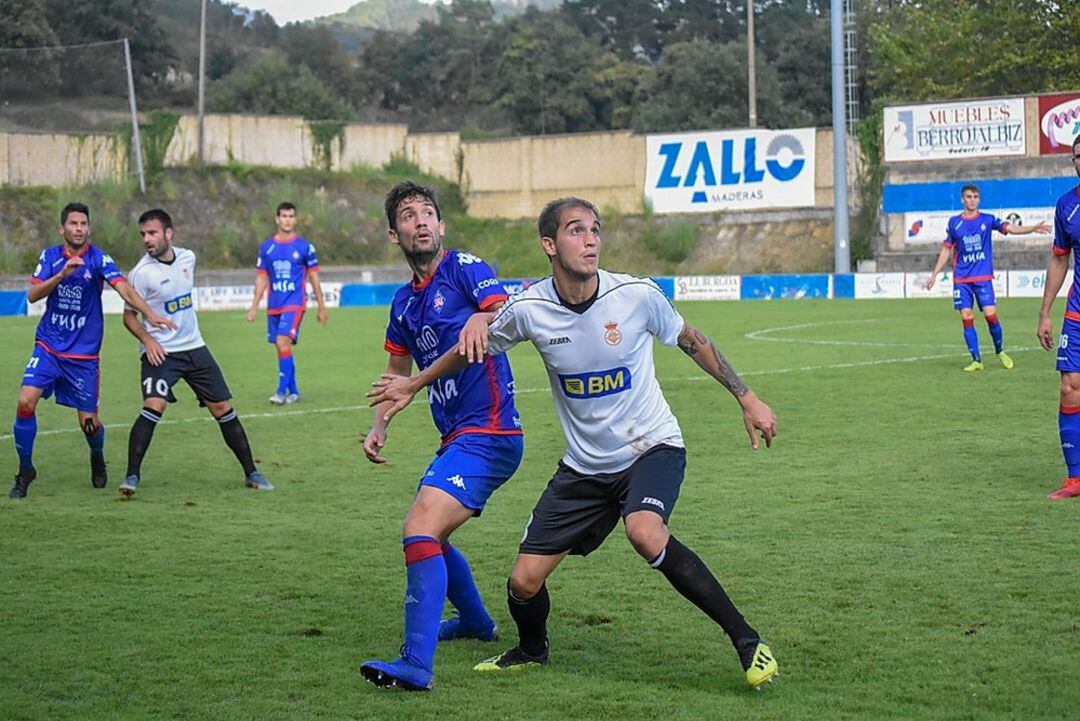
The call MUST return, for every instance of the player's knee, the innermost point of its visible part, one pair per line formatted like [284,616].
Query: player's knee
[155,404]
[1070,389]
[89,425]
[26,407]
[525,585]
[217,410]
[647,533]
[967,314]
[283,343]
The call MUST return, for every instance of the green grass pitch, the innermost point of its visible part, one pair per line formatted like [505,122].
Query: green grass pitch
[895,546]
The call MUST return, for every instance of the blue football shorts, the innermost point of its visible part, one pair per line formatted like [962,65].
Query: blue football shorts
[473,466]
[1068,352]
[966,294]
[76,382]
[286,324]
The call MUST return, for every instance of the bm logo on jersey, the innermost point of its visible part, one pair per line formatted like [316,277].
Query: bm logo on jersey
[178,304]
[596,384]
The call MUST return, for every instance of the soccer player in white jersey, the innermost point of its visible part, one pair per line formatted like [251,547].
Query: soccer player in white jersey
[165,277]
[625,456]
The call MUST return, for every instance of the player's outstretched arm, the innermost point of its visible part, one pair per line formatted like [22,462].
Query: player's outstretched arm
[1043,228]
[132,298]
[942,259]
[313,278]
[261,282]
[757,417]
[1055,277]
[396,366]
[154,352]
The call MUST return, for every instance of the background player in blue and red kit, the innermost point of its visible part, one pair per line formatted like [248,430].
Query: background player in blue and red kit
[968,236]
[286,264]
[72,276]
[1066,240]
[473,410]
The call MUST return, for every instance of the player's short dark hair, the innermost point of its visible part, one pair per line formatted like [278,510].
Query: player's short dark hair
[159,215]
[1076,141]
[286,205]
[73,208]
[969,186]
[403,191]
[548,222]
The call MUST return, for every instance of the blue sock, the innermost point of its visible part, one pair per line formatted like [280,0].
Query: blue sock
[996,332]
[97,442]
[286,372]
[25,431]
[462,592]
[292,380]
[425,595]
[1069,431]
[971,338]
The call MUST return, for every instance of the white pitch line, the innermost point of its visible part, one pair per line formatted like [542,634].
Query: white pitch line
[765,335]
[547,389]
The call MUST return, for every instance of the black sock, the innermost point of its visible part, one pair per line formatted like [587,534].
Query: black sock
[235,438]
[139,439]
[693,579]
[530,615]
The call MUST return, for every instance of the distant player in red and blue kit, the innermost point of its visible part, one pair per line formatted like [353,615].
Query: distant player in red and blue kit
[1066,240]
[968,235]
[71,276]
[286,264]
[475,414]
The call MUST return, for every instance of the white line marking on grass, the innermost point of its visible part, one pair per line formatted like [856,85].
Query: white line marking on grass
[765,334]
[547,389]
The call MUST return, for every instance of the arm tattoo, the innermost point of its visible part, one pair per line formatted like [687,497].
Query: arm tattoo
[692,342]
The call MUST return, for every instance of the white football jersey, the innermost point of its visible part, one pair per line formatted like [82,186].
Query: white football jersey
[600,365]
[167,289]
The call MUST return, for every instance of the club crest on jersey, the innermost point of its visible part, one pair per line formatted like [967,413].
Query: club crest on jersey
[612,334]
[596,384]
[438,302]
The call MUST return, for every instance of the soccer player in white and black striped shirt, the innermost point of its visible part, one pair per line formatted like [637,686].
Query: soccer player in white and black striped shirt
[625,456]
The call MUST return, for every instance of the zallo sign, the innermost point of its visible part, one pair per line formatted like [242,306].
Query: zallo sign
[730,170]
[1059,122]
[974,128]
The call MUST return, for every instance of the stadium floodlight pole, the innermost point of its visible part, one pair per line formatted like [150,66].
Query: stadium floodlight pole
[751,68]
[136,140]
[842,249]
[202,83]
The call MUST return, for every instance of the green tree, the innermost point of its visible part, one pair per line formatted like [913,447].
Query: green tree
[941,49]
[23,24]
[315,47]
[152,55]
[271,86]
[544,76]
[700,86]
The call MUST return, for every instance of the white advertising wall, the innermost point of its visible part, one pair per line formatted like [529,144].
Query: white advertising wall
[707,287]
[730,170]
[971,128]
[929,227]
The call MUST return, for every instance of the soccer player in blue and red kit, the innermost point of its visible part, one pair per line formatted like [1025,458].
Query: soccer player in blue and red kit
[1066,240]
[475,414]
[71,276]
[286,264]
[968,235]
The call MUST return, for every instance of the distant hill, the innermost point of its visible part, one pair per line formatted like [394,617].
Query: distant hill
[406,15]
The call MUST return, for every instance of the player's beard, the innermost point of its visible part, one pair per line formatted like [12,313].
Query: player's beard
[575,275]
[421,259]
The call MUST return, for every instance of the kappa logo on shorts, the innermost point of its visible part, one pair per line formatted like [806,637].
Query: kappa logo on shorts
[457,480]
[649,500]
